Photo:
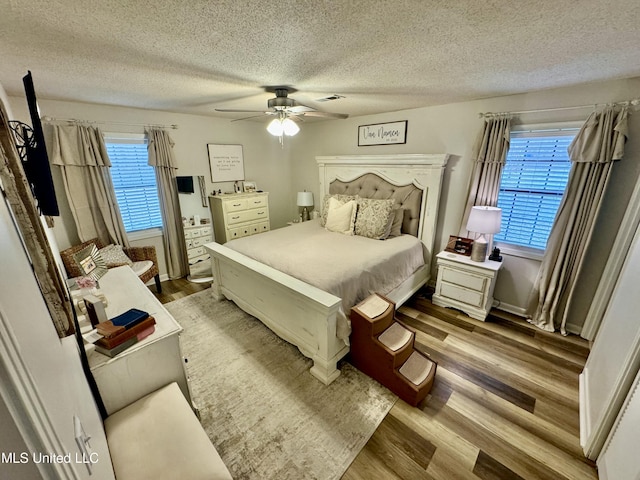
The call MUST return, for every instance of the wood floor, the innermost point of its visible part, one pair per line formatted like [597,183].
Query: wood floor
[504,403]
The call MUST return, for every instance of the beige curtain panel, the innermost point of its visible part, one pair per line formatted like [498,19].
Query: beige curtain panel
[22,204]
[489,155]
[162,159]
[81,154]
[598,144]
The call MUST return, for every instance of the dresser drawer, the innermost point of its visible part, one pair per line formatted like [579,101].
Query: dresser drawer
[188,234]
[260,227]
[194,252]
[236,204]
[257,202]
[470,297]
[464,279]
[204,231]
[247,216]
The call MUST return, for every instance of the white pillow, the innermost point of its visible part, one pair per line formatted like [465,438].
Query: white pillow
[341,216]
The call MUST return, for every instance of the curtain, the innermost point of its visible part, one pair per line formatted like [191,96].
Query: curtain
[162,159]
[489,155]
[597,145]
[20,200]
[81,154]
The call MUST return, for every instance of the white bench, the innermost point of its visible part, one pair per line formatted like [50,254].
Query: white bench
[159,437]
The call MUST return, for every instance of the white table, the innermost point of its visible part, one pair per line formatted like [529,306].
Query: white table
[148,365]
[465,284]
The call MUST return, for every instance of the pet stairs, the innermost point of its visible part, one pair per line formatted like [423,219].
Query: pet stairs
[383,348]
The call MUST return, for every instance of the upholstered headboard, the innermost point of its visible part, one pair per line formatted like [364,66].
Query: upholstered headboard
[414,180]
[370,185]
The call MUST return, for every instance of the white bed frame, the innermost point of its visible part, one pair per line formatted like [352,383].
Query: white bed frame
[301,313]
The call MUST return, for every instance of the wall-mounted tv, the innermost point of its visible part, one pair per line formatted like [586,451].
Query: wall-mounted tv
[36,161]
[185,184]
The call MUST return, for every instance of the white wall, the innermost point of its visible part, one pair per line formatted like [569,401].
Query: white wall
[453,129]
[52,383]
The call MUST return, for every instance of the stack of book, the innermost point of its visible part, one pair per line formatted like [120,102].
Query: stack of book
[122,331]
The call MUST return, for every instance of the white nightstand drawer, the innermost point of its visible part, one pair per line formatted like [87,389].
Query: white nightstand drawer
[463,279]
[470,297]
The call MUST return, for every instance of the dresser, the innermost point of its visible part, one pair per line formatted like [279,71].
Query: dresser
[239,215]
[465,284]
[195,237]
[147,365]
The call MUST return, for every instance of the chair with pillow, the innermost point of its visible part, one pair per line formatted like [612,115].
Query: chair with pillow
[142,260]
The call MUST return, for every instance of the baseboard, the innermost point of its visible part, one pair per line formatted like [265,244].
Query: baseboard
[163,278]
[520,311]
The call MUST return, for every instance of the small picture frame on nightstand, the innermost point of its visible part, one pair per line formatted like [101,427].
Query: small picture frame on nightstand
[459,245]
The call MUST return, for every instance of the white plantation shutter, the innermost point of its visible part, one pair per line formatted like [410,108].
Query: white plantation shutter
[533,182]
[134,182]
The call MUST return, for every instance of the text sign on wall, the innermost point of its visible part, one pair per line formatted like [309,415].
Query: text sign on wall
[226,162]
[382,133]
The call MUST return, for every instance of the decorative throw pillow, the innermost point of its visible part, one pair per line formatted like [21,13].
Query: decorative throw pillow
[341,217]
[325,204]
[114,256]
[373,217]
[396,220]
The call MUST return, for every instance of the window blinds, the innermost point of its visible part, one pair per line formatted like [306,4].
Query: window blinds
[134,182]
[533,181]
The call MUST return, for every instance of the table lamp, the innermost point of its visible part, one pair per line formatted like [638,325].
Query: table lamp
[305,199]
[483,220]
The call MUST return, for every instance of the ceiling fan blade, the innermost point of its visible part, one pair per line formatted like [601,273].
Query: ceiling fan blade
[239,111]
[324,114]
[247,118]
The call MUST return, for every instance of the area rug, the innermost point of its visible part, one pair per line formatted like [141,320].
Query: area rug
[264,412]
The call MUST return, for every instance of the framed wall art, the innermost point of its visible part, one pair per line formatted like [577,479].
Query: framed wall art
[391,133]
[226,162]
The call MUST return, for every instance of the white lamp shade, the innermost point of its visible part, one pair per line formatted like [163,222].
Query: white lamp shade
[305,199]
[484,219]
[275,127]
[290,127]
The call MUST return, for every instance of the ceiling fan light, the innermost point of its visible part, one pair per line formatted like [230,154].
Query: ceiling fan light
[275,127]
[290,127]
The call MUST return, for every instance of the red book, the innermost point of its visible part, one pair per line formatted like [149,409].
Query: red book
[111,342]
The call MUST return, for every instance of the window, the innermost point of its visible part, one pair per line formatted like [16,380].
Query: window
[134,182]
[534,178]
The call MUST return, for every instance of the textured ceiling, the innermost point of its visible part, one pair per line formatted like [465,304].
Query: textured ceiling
[382,56]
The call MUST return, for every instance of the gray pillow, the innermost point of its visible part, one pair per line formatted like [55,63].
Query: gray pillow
[373,217]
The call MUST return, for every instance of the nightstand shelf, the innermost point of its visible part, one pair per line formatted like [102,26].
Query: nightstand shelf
[465,285]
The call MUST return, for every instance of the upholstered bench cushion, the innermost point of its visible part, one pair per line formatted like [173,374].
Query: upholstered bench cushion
[159,437]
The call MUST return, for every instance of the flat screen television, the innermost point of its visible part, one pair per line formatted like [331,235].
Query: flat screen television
[36,161]
[185,184]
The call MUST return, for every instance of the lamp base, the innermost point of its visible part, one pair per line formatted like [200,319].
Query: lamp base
[479,251]
[305,214]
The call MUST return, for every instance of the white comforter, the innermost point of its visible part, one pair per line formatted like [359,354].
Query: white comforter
[349,267]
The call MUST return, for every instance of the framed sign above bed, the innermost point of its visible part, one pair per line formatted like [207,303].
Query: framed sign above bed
[391,133]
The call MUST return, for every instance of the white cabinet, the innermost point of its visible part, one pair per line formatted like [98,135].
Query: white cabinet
[239,215]
[195,237]
[465,284]
[151,363]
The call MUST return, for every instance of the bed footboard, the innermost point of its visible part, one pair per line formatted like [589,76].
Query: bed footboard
[297,312]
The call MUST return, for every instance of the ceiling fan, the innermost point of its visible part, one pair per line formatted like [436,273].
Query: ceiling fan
[282,106]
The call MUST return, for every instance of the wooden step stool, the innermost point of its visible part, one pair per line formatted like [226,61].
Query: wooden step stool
[383,348]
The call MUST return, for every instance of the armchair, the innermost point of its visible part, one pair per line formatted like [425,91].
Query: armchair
[145,261]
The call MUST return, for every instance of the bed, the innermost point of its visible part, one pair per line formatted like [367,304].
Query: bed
[302,305]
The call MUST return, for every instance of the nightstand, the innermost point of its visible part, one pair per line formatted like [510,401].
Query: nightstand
[465,285]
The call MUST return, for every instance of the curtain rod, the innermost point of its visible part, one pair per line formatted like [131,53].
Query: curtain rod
[75,120]
[635,102]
